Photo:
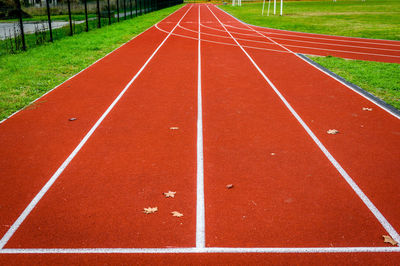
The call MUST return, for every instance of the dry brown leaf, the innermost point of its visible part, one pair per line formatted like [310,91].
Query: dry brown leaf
[169,194]
[367,109]
[388,239]
[332,131]
[176,214]
[150,210]
[229,186]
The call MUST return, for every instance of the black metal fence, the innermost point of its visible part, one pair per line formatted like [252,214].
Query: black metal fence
[28,23]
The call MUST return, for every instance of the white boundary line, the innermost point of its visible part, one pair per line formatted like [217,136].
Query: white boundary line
[59,171]
[316,34]
[298,46]
[295,40]
[86,68]
[305,250]
[341,82]
[267,49]
[200,210]
[382,220]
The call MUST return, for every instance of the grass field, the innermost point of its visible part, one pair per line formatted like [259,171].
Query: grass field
[378,19]
[370,19]
[26,76]
[381,79]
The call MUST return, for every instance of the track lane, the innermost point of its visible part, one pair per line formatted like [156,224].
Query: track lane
[286,191]
[366,146]
[36,140]
[95,193]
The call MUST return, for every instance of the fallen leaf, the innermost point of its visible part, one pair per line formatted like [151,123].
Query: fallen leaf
[169,194]
[72,119]
[176,214]
[367,109]
[229,186]
[174,128]
[332,131]
[388,239]
[150,210]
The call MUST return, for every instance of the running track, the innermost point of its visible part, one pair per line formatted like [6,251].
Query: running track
[249,111]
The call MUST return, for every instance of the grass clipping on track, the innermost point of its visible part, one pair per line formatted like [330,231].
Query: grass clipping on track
[26,76]
[380,79]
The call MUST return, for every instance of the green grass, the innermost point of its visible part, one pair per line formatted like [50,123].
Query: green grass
[381,79]
[379,19]
[26,76]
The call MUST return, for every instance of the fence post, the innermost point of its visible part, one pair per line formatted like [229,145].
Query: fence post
[130,7]
[118,10]
[109,12]
[136,8]
[86,16]
[21,25]
[70,17]
[98,14]
[125,9]
[49,19]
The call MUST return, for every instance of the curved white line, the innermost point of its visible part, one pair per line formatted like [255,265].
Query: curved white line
[312,37]
[299,46]
[322,43]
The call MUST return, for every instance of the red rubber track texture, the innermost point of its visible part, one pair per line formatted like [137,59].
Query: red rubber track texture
[284,199]
[201,259]
[38,139]
[130,160]
[286,193]
[367,145]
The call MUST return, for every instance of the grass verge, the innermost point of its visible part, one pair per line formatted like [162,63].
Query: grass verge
[380,79]
[26,76]
[378,19]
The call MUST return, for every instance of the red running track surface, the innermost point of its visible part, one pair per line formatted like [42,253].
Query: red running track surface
[258,100]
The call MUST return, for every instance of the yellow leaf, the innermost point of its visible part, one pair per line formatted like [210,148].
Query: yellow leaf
[150,210]
[388,239]
[176,214]
[332,131]
[169,194]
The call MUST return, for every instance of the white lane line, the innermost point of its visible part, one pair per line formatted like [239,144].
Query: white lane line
[59,171]
[200,210]
[295,40]
[85,69]
[314,35]
[388,227]
[298,46]
[251,47]
[306,250]
[222,43]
